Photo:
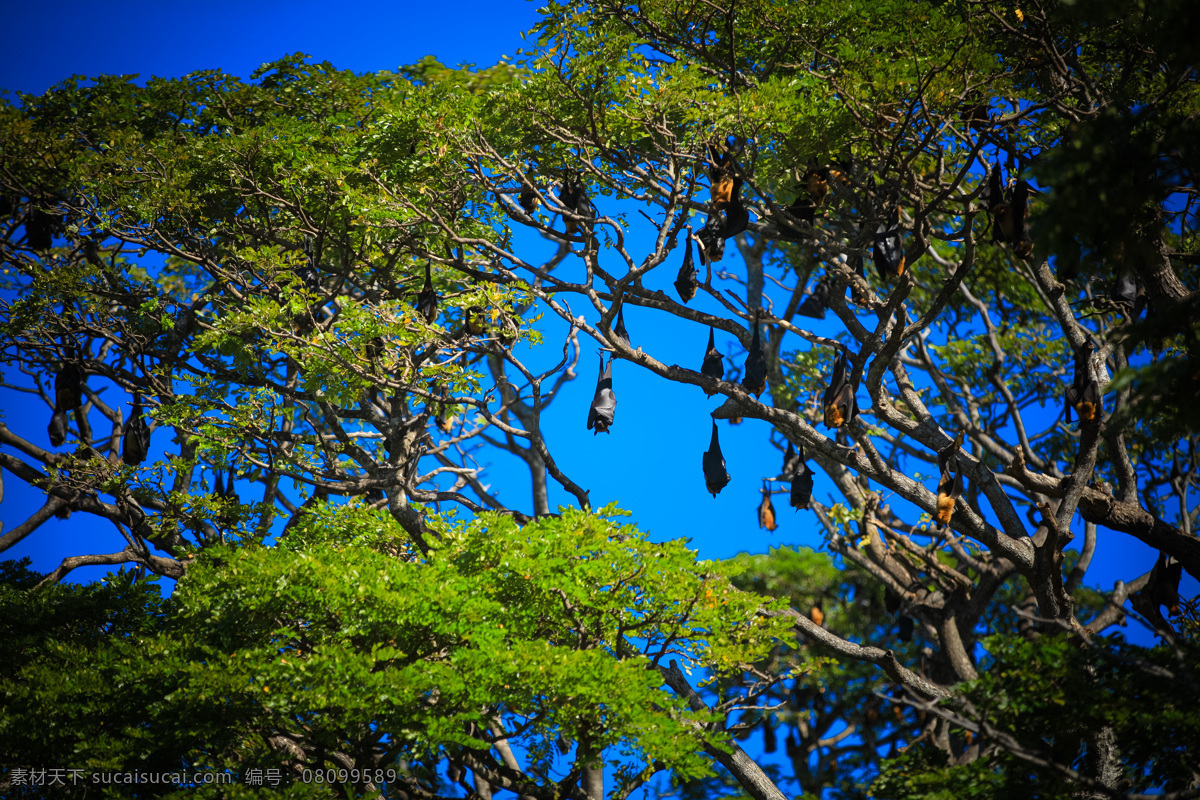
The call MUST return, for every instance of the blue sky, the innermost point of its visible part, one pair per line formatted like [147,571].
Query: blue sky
[650,461]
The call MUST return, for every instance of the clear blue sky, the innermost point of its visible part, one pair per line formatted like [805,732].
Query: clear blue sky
[651,459]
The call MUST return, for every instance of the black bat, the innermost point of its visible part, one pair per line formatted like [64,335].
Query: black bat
[709,242]
[993,194]
[838,402]
[797,471]
[766,510]
[686,282]
[427,300]
[309,275]
[1084,392]
[817,302]
[948,455]
[948,491]
[68,388]
[1123,293]
[604,404]
[1164,582]
[40,227]
[1019,204]
[755,381]
[135,443]
[528,198]
[802,208]
[57,428]
[889,248]
[715,476]
[907,626]
[574,198]
[736,215]
[714,365]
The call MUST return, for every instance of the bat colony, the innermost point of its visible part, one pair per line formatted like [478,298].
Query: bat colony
[1007,207]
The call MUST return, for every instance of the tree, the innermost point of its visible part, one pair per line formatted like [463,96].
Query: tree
[320,284]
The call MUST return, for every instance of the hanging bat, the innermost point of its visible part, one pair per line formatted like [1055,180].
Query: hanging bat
[686,282]
[817,302]
[736,215]
[1019,205]
[800,496]
[993,194]
[889,248]
[816,180]
[755,381]
[948,491]
[1123,293]
[817,615]
[715,476]
[528,197]
[135,443]
[1164,582]
[838,402]
[858,296]
[604,404]
[619,330]
[427,300]
[770,741]
[40,227]
[57,428]
[709,242]
[308,274]
[1084,392]
[907,626]
[473,322]
[68,388]
[792,462]
[766,511]
[574,198]
[803,208]
[714,365]
[720,178]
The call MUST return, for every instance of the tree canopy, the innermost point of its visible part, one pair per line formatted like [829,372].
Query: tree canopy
[280,326]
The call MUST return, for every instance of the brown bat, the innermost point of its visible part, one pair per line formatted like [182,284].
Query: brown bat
[713,366]
[720,177]
[528,198]
[766,511]
[736,215]
[838,401]
[474,322]
[1084,392]
[713,462]
[755,381]
[948,491]
[427,300]
[686,283]
[816,180]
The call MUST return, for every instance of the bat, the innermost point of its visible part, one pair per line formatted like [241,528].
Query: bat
[755,381]
[427,300]
[713,366]
[528,198]
[948,491]
[1084,392]
[709,242]
[308,274]
[135,443]
[686,282]
[604,404]
[68,388]
[766,511]
[817,615]
[1164,582]
[474,322]
[57,428]
[816,180]
[907,625]
[800,496]
[770,741]
[891,601]
[889,248]
[1123,293]
[715,476]
[574,198]
[817,301]
[736,215]
[40,227]
[838,401]
[720,179]
[1019,205]
[857,295]
[618,329]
